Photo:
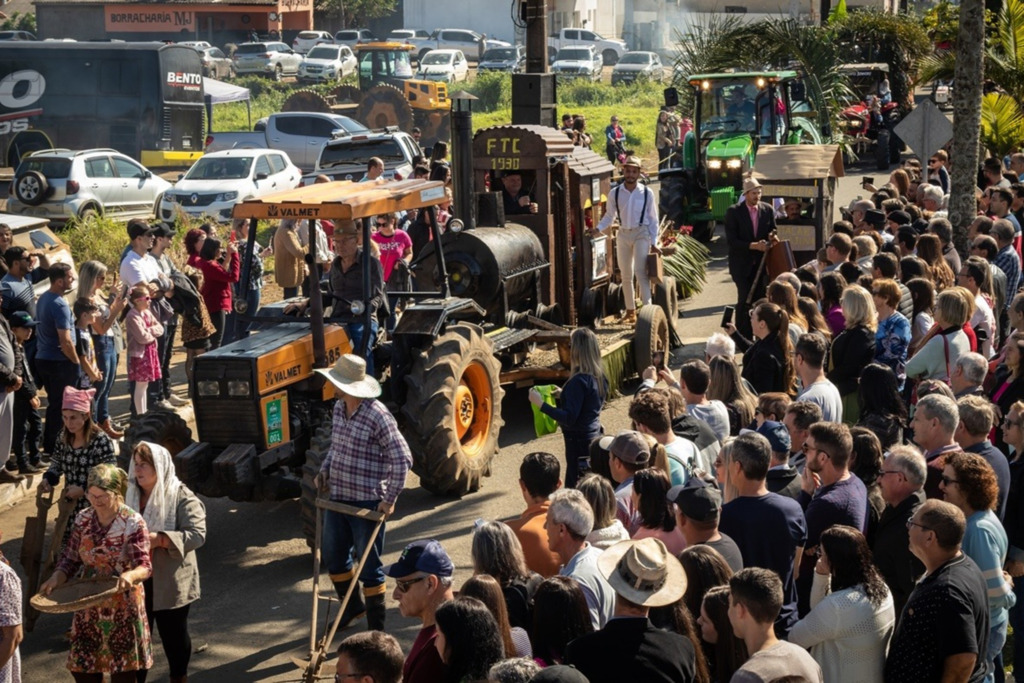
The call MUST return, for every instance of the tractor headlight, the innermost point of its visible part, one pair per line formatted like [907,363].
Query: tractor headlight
[239,388]
[456,225]
[209,387]
[734,163]
[715,164]
[357,307]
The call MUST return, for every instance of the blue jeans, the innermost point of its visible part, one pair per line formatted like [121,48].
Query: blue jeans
[346,537]
[1017,616]
[55,376]
[355,335]
[996,640]
[106,362]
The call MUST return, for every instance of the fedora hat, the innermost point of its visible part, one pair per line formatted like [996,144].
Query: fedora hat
[643,572]
[749,184]
[349,376]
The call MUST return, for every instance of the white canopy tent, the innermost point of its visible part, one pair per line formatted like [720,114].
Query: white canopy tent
[219,92]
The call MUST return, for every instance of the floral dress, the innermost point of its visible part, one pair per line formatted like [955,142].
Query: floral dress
[113,637]
[75,463]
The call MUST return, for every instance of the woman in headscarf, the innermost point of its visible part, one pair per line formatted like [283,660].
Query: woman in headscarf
[176,520]
[108,539]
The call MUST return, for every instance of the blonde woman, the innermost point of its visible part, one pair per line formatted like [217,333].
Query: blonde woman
[853,348]
[580,402]
[948,341]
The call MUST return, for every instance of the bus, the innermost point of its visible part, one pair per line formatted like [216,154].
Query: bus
[143,99]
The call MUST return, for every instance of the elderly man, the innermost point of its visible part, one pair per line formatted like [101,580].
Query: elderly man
[943,632]
[934,424]
[515,199]
[570,520]
[902,485]
[748,225]
[968,375]
[643,575]
[977,419]
[345,286]
[423,581]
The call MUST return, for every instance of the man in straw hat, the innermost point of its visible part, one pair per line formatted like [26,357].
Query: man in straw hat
[365,467]
[747,226]
[629,648]
[635,208]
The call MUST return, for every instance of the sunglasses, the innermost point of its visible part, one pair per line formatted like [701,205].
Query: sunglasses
[381,224]
[403,586]
[946,481]
[911,523]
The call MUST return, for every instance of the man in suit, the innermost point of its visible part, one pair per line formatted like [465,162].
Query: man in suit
[747,226]
[629,648]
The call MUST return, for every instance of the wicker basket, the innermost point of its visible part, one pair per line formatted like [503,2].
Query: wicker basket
[76,595]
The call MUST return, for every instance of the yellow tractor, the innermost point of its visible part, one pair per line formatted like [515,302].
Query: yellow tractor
[387,95]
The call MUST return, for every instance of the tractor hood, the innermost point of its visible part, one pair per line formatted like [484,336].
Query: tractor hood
[730,146]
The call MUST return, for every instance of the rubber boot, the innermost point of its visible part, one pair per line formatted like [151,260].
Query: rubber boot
[376,609]
[355,608]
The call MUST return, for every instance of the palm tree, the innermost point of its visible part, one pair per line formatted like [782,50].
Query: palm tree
[967,91]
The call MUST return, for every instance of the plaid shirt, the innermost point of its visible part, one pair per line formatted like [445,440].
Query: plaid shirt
[1008,262]
[369,458]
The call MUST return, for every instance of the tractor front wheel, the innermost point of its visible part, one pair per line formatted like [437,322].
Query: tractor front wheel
[315,454]
[163,427]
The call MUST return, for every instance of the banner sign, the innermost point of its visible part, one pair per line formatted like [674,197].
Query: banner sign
[144,18]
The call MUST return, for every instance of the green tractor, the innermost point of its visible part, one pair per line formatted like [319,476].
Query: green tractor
[733,114]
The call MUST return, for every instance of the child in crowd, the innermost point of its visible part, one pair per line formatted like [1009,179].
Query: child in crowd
[143,359]
[85,312]
[28,425]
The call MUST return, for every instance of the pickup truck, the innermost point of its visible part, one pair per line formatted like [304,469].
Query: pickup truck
[299,134]
[458,39]
[345,158]
[610,49]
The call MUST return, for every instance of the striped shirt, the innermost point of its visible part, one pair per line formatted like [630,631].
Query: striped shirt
[985,542]
[368,458]
[1008,262]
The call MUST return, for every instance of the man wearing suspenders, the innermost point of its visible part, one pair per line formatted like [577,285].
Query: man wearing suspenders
[634,207]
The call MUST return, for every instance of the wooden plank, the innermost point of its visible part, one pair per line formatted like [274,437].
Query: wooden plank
[541,336]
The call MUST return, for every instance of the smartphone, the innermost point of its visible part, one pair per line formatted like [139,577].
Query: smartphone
[658,360]
[727,314]
[867,180]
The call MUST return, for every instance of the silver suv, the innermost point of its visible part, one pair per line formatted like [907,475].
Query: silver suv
[270,59]
[59,184]
[345,158]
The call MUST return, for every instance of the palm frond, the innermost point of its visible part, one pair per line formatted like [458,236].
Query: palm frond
[1002,124]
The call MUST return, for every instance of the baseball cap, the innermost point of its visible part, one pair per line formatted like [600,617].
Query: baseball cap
[777,435]
[899,217]
[427,556]
[697,499]
[21,319]
[164,230]
[139,228]
[628,446]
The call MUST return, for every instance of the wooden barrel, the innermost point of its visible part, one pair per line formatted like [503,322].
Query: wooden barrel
[780,259]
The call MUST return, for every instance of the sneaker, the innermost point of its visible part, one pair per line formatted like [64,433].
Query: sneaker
[8,477]
[11,466]
[164,405]
[178,401]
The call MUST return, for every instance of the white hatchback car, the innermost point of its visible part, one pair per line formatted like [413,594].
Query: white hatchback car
[449,66]
[307,40]
[328,63]
[220,180]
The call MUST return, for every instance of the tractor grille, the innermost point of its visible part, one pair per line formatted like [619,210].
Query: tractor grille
[224,419]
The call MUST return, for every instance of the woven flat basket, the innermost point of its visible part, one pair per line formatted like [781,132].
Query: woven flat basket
[76,595]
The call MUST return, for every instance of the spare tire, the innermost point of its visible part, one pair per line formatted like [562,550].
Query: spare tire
[31,188]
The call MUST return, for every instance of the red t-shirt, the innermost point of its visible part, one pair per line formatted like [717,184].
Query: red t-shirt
[424,665]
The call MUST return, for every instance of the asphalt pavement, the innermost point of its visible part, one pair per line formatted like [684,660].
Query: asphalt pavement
[254,614]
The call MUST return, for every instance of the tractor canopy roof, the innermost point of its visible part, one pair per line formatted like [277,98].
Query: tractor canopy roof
[343,200]
[770,76]
[380,46]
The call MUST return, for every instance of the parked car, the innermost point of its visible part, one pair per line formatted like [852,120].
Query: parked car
[307,40]
[269,59]
[328,63]
[638,66]
[197,44]
[300,135]
[472,44]
[220,180]
[60,184]
[577,62]
[216,64]
[408,35]
[610,49]
[17,35]
[345,158]
[508,59]
[353,37]
[449,66]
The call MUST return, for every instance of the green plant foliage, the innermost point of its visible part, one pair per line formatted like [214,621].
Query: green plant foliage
[494,89]
[20,22]
[942,22]
[1002,124]
[688,265]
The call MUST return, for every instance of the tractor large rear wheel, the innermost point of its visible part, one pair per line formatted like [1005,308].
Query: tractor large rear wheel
[162,427]
[315,454]
[453,410]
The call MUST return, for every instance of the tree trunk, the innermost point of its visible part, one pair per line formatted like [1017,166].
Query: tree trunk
[967,92]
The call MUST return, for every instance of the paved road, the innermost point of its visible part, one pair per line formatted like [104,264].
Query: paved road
[256,571]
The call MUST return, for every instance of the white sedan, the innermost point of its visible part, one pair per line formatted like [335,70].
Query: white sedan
[327,63]
[449,66]
[220,180]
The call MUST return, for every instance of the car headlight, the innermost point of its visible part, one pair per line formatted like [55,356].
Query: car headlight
[734,163]
[170,198]
[208,387]
[715,163]
[239,388]
[227,197]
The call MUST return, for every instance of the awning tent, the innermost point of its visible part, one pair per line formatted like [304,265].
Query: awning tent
[219,92]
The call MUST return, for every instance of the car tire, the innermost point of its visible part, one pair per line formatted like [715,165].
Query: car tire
[31,188]
[278,73]
[88,213]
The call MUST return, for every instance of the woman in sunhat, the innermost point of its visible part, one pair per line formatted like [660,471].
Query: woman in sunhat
[108,539]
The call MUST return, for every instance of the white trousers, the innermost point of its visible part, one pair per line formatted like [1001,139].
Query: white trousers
[6,425]
[631,249]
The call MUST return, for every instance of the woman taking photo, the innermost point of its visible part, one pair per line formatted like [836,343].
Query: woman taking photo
[852,615]
[467,639]
[497,552]
[767,361]
[560,616]
[176,520]
[853,348]
[580,402]
[108,539]
[657,519]
[725,652]
[727,386]
[106,337]
[217,281]
[940,353]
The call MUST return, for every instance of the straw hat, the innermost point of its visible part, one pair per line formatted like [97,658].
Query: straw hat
[633,161]
[349,376]
[643,572]
[750,184]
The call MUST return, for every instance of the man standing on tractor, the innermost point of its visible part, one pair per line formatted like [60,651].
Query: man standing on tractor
[634,207]
[747,227]
[365,468]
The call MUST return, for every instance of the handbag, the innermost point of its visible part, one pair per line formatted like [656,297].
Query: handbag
[544,424]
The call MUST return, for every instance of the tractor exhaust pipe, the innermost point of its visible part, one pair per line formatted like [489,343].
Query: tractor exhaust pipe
[462,158]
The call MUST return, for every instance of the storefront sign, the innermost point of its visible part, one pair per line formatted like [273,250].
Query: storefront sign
[146,18]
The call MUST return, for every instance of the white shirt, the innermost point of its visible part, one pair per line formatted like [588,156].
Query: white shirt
[137,269]
[632,211]
[324,254]
[984,319]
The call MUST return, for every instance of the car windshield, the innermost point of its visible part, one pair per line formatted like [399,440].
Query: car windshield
[500,54]
[577,54]
[438,58]
[220,168]
[323,52]
[309,35]
[51,168]
[356,153]
[728,107]
[378,63]
[635,58]
[346,35]
[252,48]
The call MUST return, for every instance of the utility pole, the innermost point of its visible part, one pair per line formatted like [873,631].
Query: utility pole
[533,93]
[535,16]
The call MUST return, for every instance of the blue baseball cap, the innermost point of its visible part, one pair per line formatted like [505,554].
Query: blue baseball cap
[777,435]
[427,556]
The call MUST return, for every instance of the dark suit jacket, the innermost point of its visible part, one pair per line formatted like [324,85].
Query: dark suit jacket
[739,232]
[852,350]
[632,650]
[890,548]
